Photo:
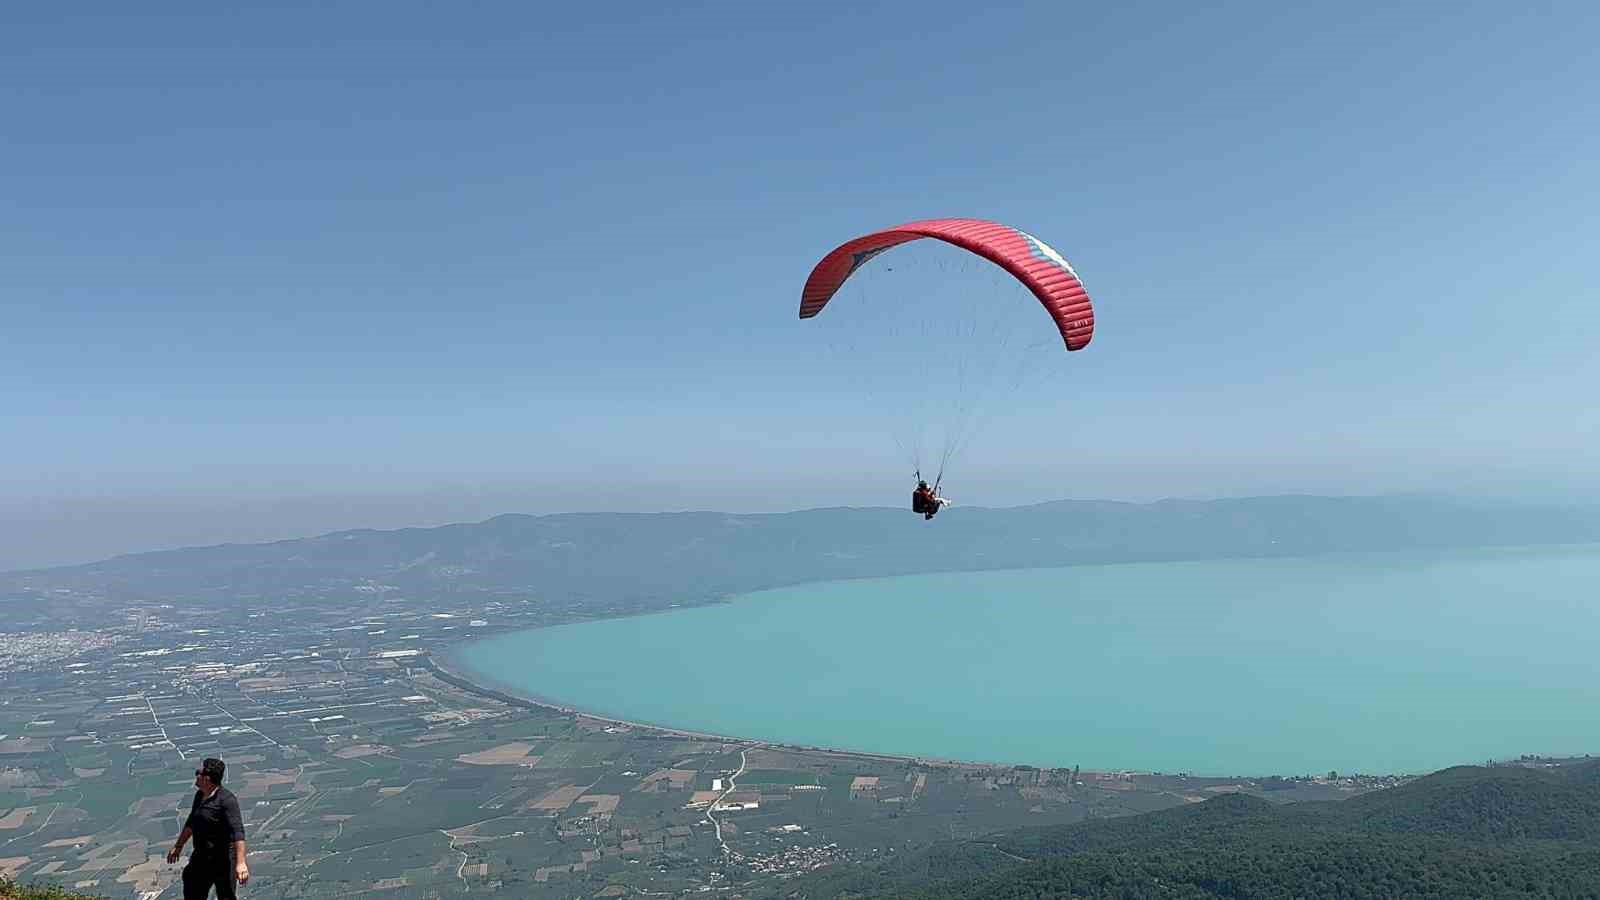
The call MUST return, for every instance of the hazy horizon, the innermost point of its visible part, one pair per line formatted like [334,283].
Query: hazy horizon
[66,529]
[102,528]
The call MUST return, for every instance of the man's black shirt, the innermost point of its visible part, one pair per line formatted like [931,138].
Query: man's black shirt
[215,825]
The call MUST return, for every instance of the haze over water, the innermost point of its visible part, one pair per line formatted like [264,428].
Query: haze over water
[1402,662]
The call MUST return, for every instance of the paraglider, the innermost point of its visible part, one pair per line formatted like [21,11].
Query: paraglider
[1032,262]
[926,500]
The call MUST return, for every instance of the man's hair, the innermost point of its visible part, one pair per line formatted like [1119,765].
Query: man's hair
[213,768]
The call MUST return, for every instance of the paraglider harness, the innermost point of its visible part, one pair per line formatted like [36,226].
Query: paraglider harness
[924,499]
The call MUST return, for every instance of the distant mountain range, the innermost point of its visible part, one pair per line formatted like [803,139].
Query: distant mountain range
[1505,831]
[654,559]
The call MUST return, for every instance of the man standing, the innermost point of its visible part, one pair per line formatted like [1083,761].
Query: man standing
[218,832]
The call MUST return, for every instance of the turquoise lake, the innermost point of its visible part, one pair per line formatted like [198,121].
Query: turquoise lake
[1398,662]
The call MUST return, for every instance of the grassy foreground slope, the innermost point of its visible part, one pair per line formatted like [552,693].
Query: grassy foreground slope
[10,890]
[1461,832]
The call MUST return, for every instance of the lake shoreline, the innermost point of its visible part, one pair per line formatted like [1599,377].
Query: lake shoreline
[472,683]
[1349,631]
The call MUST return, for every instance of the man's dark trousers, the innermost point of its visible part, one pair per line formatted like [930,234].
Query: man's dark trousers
[202,874]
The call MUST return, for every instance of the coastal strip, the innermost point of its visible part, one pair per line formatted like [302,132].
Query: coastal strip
[438,669]
[430,662]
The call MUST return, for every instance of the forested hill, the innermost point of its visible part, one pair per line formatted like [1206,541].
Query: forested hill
[1462,832]
[658,558]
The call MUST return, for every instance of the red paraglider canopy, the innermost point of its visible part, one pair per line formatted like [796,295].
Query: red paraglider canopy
[1029,259]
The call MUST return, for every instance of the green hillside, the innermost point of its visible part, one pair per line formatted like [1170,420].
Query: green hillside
[1461,832]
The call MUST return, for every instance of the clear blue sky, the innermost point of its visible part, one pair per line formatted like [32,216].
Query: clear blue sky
[268,271]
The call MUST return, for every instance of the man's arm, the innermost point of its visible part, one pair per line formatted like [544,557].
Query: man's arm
[183,838]
[241,869]
[187,832]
